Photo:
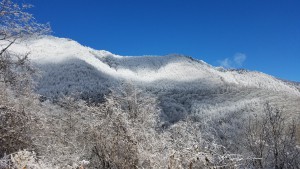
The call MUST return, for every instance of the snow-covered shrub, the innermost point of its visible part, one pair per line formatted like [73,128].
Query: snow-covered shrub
[271,138]
[23,159]
[13,131]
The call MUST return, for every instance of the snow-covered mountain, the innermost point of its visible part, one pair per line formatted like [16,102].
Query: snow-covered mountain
[182,84]
[59,53]
[170,103]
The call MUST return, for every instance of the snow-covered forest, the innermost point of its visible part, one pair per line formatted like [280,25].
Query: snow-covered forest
[64,105]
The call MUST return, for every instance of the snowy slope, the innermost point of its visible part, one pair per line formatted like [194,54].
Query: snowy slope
[190,100]
[68,59]
[296,84]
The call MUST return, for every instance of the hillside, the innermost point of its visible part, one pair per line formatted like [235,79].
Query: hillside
[180,82]
[150,111]
[49,52]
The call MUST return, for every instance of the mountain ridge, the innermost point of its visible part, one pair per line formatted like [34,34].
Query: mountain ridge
[49,50]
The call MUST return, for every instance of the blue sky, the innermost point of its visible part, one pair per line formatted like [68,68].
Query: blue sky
[262,35]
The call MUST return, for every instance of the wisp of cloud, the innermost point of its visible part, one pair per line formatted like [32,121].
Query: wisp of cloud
[236,62]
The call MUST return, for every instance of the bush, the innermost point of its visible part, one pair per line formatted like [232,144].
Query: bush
[271,138]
